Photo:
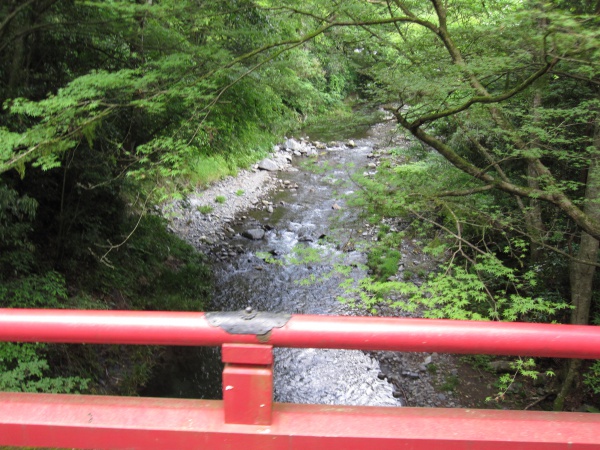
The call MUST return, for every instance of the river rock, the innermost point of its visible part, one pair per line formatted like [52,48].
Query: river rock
[256,234]
[351,143]
[410,374]
[501,366]
[294,145]
[268,164]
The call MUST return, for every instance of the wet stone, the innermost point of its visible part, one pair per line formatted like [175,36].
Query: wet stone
[254,234]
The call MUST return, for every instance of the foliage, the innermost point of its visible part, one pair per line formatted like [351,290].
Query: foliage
[16,216]
[507,382]
[383,262]
[592,378]
[34,291]
[110,107]
[153,269]
[23,368]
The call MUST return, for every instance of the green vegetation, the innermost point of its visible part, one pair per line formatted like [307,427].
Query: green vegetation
[240,192]
[205,209]
[383,262]
[449,384]
[109,108]
[220,199]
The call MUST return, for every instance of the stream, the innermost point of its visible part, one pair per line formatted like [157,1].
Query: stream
[310,219]
[300,216]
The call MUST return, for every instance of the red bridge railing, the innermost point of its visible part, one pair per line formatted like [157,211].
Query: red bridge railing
[247,418]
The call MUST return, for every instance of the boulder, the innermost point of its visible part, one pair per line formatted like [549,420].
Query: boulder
[268,164]
[256,234]
[293,145]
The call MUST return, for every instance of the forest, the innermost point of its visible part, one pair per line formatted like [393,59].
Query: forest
[111,108]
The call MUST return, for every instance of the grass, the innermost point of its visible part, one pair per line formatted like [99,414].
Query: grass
[220,199]
[450,384]
[240,192]
[205,209]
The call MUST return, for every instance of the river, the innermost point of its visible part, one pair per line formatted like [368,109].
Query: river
[312,219]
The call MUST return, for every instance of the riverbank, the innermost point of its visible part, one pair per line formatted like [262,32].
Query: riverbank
[214,221]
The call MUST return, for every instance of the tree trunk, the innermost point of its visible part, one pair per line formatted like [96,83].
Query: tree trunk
[533,213]
[581,274]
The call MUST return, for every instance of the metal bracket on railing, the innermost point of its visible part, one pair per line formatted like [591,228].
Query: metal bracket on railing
[247,321]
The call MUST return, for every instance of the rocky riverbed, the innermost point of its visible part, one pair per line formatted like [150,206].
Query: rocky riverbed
[265,209]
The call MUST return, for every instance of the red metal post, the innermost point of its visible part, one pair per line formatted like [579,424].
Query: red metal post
[248,383]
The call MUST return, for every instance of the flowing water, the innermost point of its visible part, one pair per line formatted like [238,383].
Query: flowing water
[315,219]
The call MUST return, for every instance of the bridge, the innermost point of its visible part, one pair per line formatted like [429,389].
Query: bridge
[247,417]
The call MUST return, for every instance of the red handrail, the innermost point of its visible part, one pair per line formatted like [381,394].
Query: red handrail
[305,331]
[247,417]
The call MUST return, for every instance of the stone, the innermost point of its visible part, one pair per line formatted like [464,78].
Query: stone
[293,144]
[501,366]
[336,206]
[372,166]
[442,397]
[256,234]
[410,374]
[268,164]
[351,143]
[428,360]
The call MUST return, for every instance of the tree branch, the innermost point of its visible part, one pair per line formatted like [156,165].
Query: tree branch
[485,99]
[465,192]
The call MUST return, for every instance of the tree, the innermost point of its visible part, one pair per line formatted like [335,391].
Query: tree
[506,92]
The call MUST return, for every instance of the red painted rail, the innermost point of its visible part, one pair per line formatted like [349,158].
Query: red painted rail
[305,331]
[247,418]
